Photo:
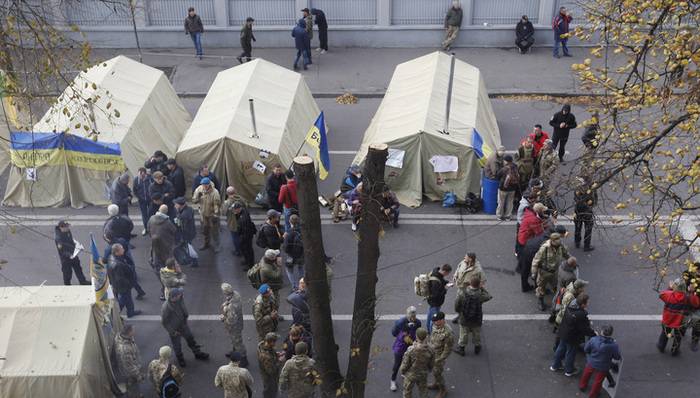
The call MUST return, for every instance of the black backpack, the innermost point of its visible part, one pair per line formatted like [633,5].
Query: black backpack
[471,310]
[168,386]
[261,240]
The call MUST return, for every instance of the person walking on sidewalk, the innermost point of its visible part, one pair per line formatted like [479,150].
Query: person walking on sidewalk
[562,121]
[174,319]
[209,202]
[194,28]
[66,246]
[560,26]
[453,21]
[301,42]
[600,351]
[322,24]
[246,40]
[404,332]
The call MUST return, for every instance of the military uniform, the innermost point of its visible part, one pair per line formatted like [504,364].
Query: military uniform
[547,163]
[545,265]
[129,364]
[234,380]
[232,317]
[464,275]
[417,363]
[156,370]
[269,369]
[262,309]
[441,340]
[171,279]
[299,377]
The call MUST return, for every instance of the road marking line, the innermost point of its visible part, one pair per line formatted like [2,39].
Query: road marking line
[393,317]
[96,223]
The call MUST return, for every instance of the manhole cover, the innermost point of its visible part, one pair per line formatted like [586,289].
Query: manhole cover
[168,70]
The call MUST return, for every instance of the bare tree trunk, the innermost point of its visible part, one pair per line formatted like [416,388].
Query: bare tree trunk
[132,8]
[325,348]
[363,317]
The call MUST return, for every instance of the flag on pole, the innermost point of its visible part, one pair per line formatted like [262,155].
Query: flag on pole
[100,281]
[316,137]
[482,150]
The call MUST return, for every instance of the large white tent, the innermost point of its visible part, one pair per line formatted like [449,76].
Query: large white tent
[51,343]
[433,151]
[130,105]
[223,135]
[4,141]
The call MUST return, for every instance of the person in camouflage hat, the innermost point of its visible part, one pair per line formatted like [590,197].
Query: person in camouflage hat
[545,266]
[129,360]
[158,367]
[299,376]
[265,311]
[441,340]
[417,363]
[270,362]
[235,381]
[232,317]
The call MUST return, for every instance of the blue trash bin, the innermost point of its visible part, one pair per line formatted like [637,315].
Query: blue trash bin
[489,193]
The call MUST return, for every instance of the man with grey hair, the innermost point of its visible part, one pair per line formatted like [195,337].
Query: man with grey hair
[128,360]
[158,368]
[453,21]
[120,193]
[117,227]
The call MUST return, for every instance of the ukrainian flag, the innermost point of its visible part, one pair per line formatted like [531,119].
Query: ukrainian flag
[100,280]
[482,150]
[316,137]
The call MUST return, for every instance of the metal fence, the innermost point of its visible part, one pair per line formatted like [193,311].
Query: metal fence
[419,12]
[575,7]
[348,12]
[173,12]
[97,13]
[265,12]
[504,12]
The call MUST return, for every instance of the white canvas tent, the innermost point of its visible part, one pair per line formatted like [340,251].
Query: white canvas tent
[133,105]
[4,140]
[429,156]
[220,134]
[51,344]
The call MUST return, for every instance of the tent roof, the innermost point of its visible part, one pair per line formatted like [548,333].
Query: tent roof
[49,323]
[225,111]
[416,100]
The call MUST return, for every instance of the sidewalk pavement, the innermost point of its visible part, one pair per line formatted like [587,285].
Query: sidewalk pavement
[367,71]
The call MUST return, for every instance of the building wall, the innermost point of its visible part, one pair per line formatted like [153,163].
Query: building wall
[361,23]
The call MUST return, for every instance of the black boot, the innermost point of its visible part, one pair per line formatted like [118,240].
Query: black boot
[541,304]
[477,349]
[181,361]
[460,350]
[201,355]
[588,248]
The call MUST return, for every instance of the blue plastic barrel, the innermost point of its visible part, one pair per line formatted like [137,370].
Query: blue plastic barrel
[489,193]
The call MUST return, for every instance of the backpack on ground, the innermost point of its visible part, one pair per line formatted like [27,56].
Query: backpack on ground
[261,240]
[512,178]
[254,275]
[473,203]
[168,386]
[421,284]
[449,199]
[471,310]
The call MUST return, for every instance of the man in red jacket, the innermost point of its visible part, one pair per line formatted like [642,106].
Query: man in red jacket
[677,303]
[532,224]
[538,138]
[288,198]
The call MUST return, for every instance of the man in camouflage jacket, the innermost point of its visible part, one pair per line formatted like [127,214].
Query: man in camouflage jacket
[129,360]
[416,364]
[265,311]
[441,340]
[270,364]
[232,317]
[299,376]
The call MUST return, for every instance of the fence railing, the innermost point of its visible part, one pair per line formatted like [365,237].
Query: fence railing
[504,12]
[265,12]
[348,12]
[97,13]
[173,12]
[419,12]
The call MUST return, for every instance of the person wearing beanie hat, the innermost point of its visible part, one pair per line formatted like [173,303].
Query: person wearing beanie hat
[270,364]
[509,182]
[265,311]
[562,122]
[232,317]
[160,365]
[416,365]
[209,201]
[601,351]
[547,163]
[235,380]
[176,176]
[404,332]
[270,235]
[270,271]
[678,300]
[299,376]
[174,320]
[441,341]
[545,266]
[273,185]
[120,193]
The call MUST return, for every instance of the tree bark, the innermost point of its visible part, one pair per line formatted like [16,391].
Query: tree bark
[363,317]
[325,348]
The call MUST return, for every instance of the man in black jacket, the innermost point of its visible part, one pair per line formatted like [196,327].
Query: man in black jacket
[247,37]
[246,231]
[176,177]
[585,199]
[204,172]
[194,28]
[164,188]
[528,253]
[184,221]
[120,194]
[322,24]
[437,286]
[123,279]
[271,231]
[562,122]
[157,162]
[273,185]
[66,246]
[140,188]
[524,32]
[574,328]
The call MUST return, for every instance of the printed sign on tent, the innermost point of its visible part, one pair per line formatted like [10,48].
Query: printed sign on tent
[395,158]
[444,164]
[259,166]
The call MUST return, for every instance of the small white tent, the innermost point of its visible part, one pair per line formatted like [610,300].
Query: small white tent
[433,151]
[129,104]
[51,344]
[223,135]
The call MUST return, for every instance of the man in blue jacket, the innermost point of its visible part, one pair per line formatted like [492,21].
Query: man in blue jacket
[560,25]
[600,350]
[302,44]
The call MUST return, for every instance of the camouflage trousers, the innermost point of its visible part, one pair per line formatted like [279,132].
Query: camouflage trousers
[269,385]
[544,279]
[465,331]
[438,370]
[237,341]
[410,383]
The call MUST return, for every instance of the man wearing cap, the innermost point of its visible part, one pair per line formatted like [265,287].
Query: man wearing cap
[509,183]
[265,311]
[184,221]
[562,122]
[494,163]
[270,363]
[271,271]
[678,300]
[299,376]
[271,232]
[416,365]
[202,173]
[247,37]
[209,202]
[157,162]
[66,246]
[161,186]
[231,220]
[404,332]
[273,185]
[174,319]
[176,176]
[129,360]
[573,290]
[441,340]
[120,193]
[233,379]
[547,162]
[246,230]
[288,197]
[232,317]
[601,350]
[159,366]
[545,265]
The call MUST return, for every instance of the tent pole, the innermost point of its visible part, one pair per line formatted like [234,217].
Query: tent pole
[252,118]
[448,103]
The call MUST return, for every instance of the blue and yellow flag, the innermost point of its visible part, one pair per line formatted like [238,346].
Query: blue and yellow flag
[100,280]
[316,137]
[482,150]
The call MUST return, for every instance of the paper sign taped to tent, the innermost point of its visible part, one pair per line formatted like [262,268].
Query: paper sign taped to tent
[31,174]
[444,164]
[395,158]
[259,167]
